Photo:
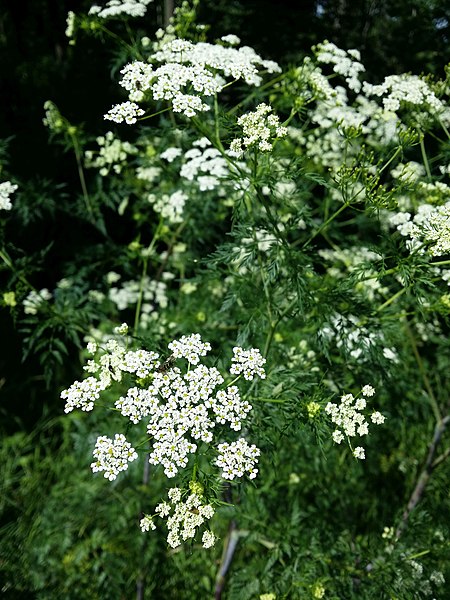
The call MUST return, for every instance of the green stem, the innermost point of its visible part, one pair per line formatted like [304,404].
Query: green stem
[426,381]
[323,226]
[424,156]
[393,157]
[140,297]
[148,253]
[77,151]
[392,299]
[155,114]
[447,133]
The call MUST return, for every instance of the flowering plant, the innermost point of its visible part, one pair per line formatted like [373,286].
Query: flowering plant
[298,219]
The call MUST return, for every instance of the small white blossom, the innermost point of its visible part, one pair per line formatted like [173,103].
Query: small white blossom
[147,523]
[368,391]
[349,418]
[231,39]
[121,329]
[171,154]
[260,129]
[70,24]
[183,518]
[82,394]
[208,539]
[35,300]
[359,453]
[249,362]
[115,8]
[127,111]
[190,347]
[238,458]
[137,404]
[112,456]
[377,418]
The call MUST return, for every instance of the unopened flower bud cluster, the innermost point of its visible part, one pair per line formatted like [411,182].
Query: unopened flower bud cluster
[350,420]
[260,128]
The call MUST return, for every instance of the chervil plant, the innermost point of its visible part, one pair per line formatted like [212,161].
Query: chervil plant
[298,219]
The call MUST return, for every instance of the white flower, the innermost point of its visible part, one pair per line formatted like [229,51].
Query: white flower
[237,458]
[349,417]
[260,129]
[147,523]
[208,539]
[377,418]
[368,391]
[35,300]
[171,154]
[171,207]
[137,404]
[112,456]
[249,362]
[190,347]
[337,436]
[344,63]
[82,394]
[183,518]
[70,24]
[189,72]
[121,329]
[231,39]
[359,453]
[114,8]
[127,111]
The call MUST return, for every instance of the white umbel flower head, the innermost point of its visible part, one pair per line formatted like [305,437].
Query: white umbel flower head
[249,362]
[6,189]
[238,458]
[112,456]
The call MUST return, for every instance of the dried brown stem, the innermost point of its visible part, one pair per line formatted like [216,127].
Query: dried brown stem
[430,465]
[227,557]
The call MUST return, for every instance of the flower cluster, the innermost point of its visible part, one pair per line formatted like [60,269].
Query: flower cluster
[115,8]
[127,111]
[112,153]
[238,458]
[188,73]
[35,299]
[350,420]
[429,226]
[354,340]
[259,128]
[398,90]
[248,362]
[82,394]
[6,189]
[190,347]
[183,518]
[345,63]
[171,207]
[154,294]
[181,408]
[112,456]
